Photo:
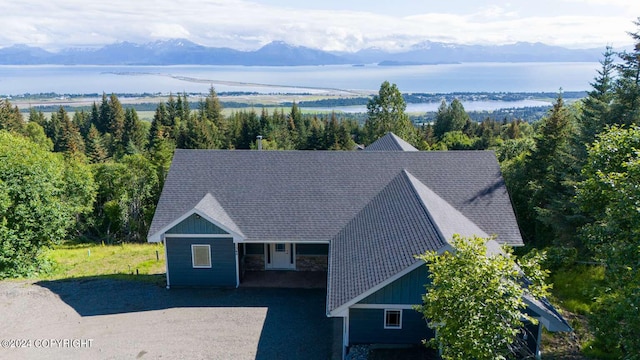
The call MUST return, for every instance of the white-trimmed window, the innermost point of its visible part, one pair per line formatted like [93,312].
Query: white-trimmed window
[201,256]
[393,318]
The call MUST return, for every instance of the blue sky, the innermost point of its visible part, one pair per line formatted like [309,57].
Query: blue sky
[346,25]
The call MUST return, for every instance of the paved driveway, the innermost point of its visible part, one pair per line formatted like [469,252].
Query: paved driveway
[112,319]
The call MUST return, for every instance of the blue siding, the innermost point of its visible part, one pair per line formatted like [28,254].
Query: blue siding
[312,249]
[366,326]
[406,290]
[180,265]
[194,224]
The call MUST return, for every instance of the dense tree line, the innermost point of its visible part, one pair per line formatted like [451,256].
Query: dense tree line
[129,158]
[575,189]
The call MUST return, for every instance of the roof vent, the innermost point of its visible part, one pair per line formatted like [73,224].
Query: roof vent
[259,137]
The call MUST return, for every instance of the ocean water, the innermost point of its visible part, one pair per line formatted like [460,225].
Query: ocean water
[469,105]
[445,78]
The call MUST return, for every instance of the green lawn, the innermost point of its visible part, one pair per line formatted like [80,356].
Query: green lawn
[89,259]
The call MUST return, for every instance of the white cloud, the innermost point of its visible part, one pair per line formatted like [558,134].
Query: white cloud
[170,31]
[249,24]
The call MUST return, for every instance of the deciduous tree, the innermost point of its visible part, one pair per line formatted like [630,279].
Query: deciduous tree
[474,300]
[450,117]
[40,198]
[385,113]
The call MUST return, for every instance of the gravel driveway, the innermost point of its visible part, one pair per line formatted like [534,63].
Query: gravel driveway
[117,319]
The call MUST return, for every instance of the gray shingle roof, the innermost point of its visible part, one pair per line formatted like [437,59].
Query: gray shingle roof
[380,241]
[311,195]
[405,219]
[390,142]
[444,217]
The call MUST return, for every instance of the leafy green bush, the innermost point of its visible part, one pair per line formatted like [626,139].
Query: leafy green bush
[41,196]
[559,257]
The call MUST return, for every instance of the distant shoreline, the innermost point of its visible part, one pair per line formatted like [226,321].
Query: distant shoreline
[417,104]
[234,83]
[296,83]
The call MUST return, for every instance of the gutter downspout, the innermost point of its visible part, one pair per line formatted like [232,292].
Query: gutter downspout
[345,335]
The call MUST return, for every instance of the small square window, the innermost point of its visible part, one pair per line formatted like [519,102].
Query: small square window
[392,319]
[280,247]
[201,256]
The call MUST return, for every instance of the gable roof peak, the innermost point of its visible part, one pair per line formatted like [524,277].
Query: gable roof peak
[213,211]
[390,142]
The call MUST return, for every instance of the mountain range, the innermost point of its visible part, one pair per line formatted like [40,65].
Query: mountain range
[278,53]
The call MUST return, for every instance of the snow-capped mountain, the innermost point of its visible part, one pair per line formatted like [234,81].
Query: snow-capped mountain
[278,53]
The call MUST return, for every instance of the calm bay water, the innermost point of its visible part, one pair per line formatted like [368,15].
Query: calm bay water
[446,78]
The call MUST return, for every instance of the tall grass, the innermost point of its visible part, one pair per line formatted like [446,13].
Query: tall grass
[87,259]
[577,287]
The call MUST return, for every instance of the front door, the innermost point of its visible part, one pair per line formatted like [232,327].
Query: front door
[280,256]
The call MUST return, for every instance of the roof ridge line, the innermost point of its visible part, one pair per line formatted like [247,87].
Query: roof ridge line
[407,175]
[450,211]
[395,138]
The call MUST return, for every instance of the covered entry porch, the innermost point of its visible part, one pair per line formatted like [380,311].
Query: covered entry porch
[283,264]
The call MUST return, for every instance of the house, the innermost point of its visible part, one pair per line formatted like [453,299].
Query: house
[361,216]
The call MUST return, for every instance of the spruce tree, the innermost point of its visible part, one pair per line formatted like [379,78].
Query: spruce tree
[626,106]
[442,123]
[157,130]
[134,136]
[10,117]
[95,150]
[82,120]
[72,140]
[332,133]
[548,169]
[250,129]
[37,117]
[115,126]
[54,129]
[104,115]
[596,107]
